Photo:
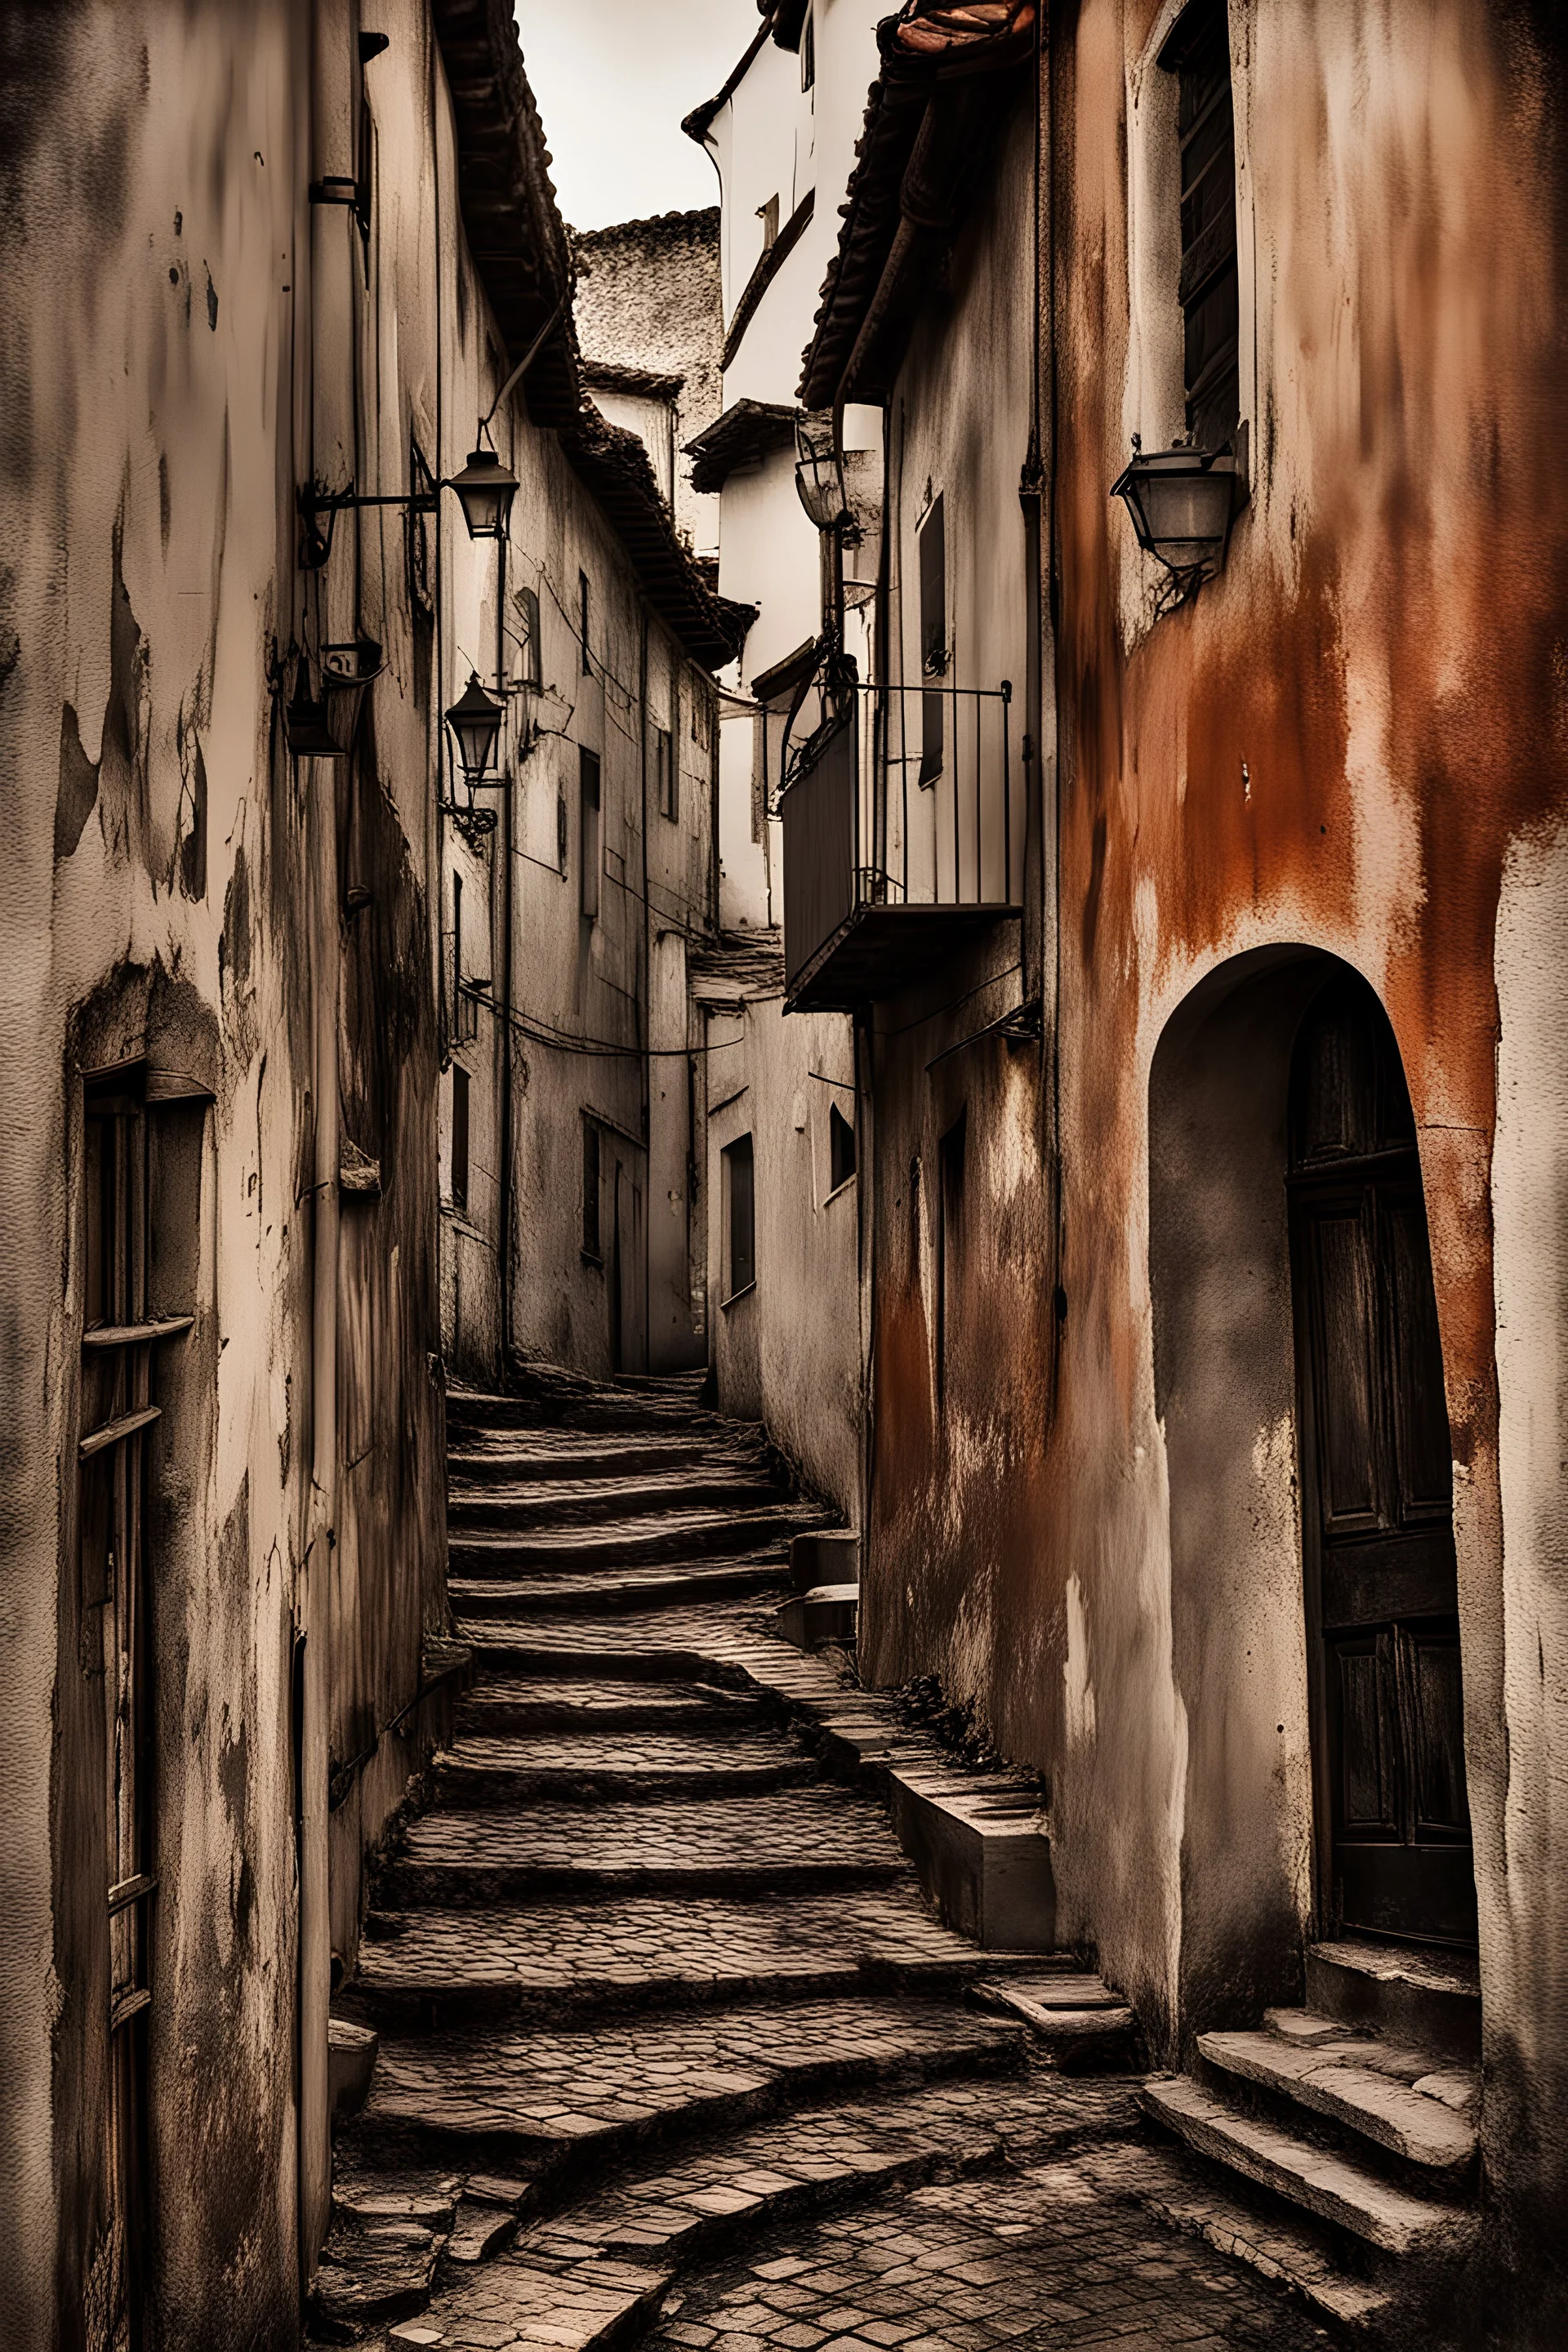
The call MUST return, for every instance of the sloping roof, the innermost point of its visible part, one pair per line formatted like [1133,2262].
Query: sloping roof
[948,78]
[748,429]
[643,384]
[702,118]
[514,230]
[615,466]
[521,249]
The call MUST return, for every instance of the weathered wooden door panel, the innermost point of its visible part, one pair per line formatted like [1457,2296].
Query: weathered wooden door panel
[1378,1523]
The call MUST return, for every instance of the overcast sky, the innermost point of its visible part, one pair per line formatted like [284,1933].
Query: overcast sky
[612,78]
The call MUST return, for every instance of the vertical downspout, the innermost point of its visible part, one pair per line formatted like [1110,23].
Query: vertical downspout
[316,1593]
[507,800]
[647,1055]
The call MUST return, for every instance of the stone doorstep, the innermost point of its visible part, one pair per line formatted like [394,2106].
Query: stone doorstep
[1335,2188]
[825,1615]
[1428,1998]
[1347,2084]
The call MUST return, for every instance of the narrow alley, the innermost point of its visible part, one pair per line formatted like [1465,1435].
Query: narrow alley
[662,2041]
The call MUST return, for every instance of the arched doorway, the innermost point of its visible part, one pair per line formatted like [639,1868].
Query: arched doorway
[1393,1839]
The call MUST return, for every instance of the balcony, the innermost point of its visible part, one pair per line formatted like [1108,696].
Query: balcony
[903,841]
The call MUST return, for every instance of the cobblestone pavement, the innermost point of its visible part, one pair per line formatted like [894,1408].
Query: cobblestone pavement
[671,2046]
[1039,2258]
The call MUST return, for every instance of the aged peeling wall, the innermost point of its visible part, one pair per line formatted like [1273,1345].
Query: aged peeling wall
[1341,747]
[163,855]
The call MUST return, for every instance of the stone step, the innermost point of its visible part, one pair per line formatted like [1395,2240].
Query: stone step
[381,2251]
[350,2063]
[607,1589]
[1078,2017]
[534,1706]
[673,1644]
[541,1456]
[576,2097]
[1411,1994]
[515,1505]
[586,1768]
[1289,2247]
[1351,2084]
[980,1847]
[656,1535]
[529,2303]
[824,1556]
[692,2206]
[1382,2212]
[420,1969]
[796,1841]
[828,1613]
[549,1395]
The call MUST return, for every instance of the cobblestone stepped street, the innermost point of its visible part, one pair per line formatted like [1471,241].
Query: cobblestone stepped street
[669,2044]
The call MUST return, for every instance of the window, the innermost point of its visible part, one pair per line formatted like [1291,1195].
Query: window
[531,658]
[664,758]
[591,1191]
[459,1136]
[1198,52]
[740,1205]
[456,936]
[949,1234]
[768,214]
[808,50]
[588,834]
[933,637]
[583,620]
[840,1149]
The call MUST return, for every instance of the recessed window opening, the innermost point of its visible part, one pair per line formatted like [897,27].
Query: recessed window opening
[591,1247]
[768,214]
[1199,53]
[840,1147]
[583,620]
[664,762]
[932,546]
[741,1211]
[530,664]
[588,834]
[459,1136]
[457,937]
[949,1236]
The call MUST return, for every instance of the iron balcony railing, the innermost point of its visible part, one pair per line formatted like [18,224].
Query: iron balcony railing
[913,798]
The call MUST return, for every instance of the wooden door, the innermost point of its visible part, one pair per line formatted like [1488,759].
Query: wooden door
[118,1342]
[1382,1590]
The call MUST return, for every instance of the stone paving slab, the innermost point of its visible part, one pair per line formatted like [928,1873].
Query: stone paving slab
[550,2091]
[791,1837]
[1039,2259]
[519,2304]
[552,1958]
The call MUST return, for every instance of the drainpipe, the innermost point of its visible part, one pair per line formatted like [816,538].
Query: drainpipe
[646,1056]
[507,800]
[315,1595]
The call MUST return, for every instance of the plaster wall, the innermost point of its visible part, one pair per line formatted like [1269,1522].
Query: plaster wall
[787,1350]
[181,344]
[1348,744]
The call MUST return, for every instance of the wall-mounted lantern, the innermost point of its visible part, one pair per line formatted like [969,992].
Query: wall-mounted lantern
[486,489]
[819,471]
[473,724]
[1182,502]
